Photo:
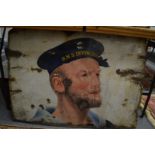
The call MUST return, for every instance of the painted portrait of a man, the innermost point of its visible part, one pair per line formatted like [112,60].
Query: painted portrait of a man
[74,79]
[74,72]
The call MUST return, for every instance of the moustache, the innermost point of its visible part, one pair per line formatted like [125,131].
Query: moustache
[96,91]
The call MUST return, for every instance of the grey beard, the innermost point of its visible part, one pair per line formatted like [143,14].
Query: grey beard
[82,103]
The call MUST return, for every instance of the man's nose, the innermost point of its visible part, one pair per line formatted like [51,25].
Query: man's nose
[95,83]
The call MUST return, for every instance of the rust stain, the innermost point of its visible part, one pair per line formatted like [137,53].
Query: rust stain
[36,69]
[15,91]
[16,54]
[32,106]
[137,80]
[17,67]
[127,72]
[41,106]
[125,99]
[130,54]
[143,57]
[12,79]
[48,100]
[124,104]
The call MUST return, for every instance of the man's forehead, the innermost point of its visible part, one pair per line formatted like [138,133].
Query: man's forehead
[85,61]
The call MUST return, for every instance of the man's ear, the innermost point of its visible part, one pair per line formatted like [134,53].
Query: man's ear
[57,83]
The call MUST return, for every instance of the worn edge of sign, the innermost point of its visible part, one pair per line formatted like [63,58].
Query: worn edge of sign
[140,32]
[59,28]
[129,31]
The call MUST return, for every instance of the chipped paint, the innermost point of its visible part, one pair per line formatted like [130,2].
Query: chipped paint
[36,69]
[32,106]
[144,57]
[13,92]
[16,54]
[138,80]
[127,72]
[124,104]
[48,100]
[41,106]
[12,79]
[17,67]
[125,99]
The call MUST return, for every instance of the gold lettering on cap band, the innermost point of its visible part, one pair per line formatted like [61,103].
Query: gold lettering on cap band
[68,57]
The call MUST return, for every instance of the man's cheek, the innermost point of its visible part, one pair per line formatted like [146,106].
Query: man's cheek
[79,91]
[81,86]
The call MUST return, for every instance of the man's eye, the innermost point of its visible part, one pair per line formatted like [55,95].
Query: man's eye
[97,74]
[84,74]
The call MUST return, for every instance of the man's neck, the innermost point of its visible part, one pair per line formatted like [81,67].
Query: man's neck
[69,112]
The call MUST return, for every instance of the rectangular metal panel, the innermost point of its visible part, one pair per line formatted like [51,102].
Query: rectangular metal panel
[120,83]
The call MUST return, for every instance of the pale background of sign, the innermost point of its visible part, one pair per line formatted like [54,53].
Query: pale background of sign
[30,86]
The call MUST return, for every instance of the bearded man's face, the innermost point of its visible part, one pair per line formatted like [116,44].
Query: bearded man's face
[82,84]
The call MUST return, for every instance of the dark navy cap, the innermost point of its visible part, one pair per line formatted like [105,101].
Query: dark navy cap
[72,50]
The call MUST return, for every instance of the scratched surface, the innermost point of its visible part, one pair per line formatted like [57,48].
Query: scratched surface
[120,83]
